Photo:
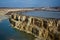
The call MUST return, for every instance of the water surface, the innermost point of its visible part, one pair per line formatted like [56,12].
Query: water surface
[9,33]
[43,14]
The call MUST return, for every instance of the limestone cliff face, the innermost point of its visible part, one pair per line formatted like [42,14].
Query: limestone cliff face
[42,28]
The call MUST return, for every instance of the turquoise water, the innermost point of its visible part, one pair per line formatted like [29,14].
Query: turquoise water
[9,33]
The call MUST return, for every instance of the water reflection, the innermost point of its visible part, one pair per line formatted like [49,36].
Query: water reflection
[9,33]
